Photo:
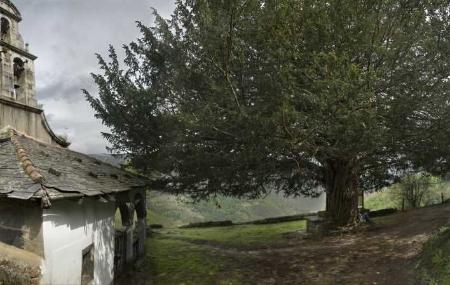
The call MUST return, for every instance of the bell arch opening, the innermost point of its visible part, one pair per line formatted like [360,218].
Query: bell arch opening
[19,77]
[5,29]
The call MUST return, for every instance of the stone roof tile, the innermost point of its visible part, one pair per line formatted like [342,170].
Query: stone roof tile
[32,169]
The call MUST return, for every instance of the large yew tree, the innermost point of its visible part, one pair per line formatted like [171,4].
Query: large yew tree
[238,97]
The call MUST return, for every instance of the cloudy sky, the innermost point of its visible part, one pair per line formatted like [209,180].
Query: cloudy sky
[65,35]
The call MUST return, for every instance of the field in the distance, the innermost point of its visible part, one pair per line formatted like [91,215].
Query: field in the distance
[172,211]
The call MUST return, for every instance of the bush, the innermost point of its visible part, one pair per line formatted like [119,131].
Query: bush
[414,189]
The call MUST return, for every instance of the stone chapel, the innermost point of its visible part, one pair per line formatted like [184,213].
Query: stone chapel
[65,217]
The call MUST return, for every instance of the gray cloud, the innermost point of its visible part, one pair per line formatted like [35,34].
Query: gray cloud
[65,35]
[68,87]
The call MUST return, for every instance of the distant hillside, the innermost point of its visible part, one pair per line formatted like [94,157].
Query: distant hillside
[108,158]
[175,211]
[172,211]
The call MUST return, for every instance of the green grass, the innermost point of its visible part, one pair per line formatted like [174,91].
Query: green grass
[388,198]
[241,235]
[207,256]
[381,200]
[178,262]
[434,264]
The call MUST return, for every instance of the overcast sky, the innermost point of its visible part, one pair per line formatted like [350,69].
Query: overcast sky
[65,35]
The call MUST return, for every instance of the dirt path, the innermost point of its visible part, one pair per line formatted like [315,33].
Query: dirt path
[385,255]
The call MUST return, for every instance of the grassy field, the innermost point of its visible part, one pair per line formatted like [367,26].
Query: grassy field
[242,236]
[173,261]
[388,197]
[204,256]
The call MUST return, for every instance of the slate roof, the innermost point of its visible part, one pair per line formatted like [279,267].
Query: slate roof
[30,169]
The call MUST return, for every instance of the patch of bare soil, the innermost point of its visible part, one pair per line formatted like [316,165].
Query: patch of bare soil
[386,254]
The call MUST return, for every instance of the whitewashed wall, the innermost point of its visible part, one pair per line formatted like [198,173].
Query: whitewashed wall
[69,228]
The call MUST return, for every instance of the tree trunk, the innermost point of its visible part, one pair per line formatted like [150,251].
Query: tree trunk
[342,193]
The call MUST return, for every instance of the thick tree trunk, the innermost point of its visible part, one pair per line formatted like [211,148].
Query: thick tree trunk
[342,193]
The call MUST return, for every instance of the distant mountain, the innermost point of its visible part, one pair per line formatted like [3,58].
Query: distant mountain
[108,158]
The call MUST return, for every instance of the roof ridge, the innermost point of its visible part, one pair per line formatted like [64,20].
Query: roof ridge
[24,159]
[29,168]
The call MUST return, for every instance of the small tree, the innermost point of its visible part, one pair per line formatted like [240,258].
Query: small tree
[414,189]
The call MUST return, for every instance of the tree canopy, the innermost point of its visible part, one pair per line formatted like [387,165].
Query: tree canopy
[237,97]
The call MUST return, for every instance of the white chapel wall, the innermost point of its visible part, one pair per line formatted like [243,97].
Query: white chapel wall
[68,229]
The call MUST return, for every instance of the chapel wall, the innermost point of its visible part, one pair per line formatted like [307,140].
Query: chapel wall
[70,229]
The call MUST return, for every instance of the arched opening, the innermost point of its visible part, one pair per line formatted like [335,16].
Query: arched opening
[135,229]
[118,221]
[121,224]
[19,77]
[139,225]
[5,29]
[139,206]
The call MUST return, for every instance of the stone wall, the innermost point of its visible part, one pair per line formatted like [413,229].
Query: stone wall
[27,120]
[21,226]
[18,267]
[21,243]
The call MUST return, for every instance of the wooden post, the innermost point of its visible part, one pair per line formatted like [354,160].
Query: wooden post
[362,199]
[442,197]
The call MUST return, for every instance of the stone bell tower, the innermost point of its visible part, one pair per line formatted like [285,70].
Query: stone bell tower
[18,106]
[17,64]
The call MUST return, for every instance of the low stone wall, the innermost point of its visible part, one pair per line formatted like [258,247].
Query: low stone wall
[208,224]
[18,266]
[12,272]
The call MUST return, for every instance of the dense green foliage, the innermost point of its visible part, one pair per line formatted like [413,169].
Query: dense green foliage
[233,97]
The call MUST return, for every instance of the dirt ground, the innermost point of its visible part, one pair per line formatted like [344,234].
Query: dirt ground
[385,254]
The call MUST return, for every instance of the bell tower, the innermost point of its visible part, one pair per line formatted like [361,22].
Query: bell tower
[17,78]
[18,106]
